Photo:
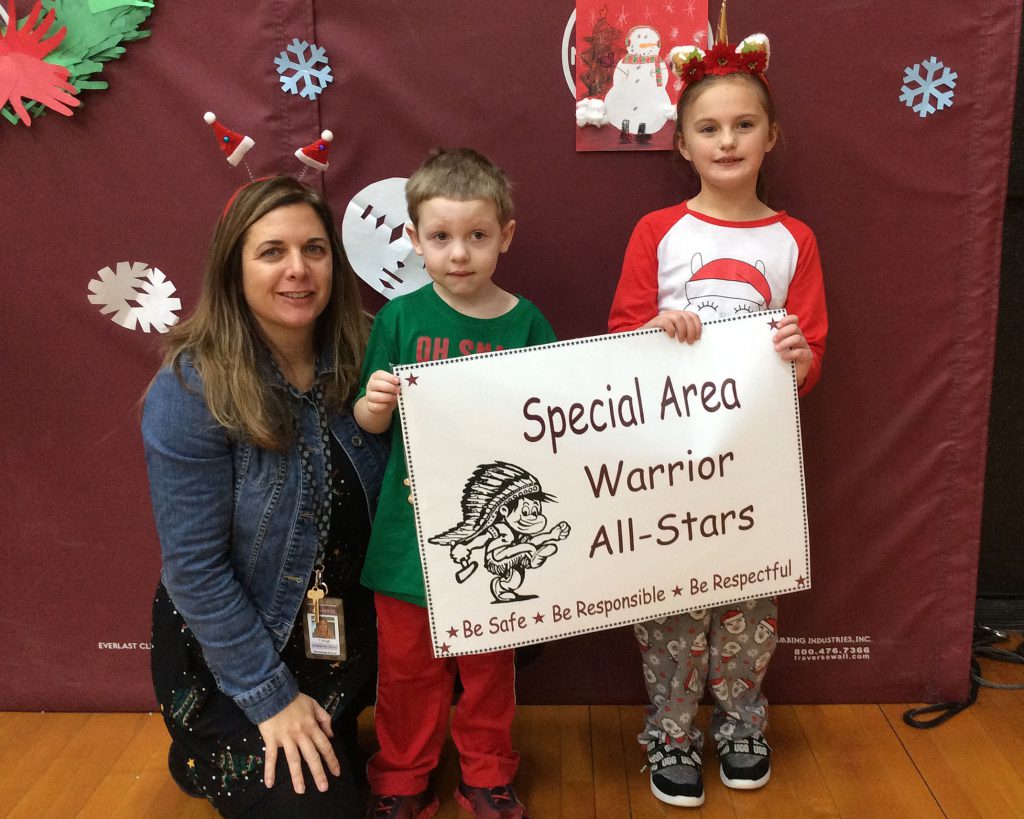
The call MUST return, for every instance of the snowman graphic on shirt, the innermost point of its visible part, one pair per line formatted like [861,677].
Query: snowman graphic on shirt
[726,287]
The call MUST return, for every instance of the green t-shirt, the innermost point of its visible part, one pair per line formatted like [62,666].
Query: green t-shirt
[409,329]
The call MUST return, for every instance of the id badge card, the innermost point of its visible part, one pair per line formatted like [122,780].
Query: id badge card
[325,636]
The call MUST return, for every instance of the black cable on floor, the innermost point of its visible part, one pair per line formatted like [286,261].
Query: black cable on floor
[981,646]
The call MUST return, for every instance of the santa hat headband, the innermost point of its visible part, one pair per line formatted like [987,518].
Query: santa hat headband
[314,155]
[235,146]
[691,64]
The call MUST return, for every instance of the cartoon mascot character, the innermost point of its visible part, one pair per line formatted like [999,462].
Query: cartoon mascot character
[501,515]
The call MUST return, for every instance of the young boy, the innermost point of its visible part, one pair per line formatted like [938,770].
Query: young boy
[461,213]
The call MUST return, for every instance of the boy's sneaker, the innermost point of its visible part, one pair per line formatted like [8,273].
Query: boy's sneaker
[493,803]
[746,762]
[419,806]
[675,776]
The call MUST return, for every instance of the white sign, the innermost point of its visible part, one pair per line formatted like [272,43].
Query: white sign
[604,481]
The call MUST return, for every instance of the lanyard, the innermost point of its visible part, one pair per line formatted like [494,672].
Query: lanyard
[322,492]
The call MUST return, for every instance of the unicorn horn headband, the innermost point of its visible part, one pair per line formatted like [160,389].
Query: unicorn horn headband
[690,63]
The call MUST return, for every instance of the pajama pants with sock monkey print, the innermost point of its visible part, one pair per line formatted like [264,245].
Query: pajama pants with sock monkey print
[726,648]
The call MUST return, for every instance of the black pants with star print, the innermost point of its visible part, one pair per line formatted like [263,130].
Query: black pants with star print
[217,753]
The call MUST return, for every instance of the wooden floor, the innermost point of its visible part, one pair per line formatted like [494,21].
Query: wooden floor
[583,761]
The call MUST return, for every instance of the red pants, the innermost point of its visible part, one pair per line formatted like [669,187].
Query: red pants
[414,696]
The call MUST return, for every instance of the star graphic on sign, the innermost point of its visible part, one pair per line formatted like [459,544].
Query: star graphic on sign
[647,13]
[452,631]
[191,763]
[412,379]
[691,6]
[538,618]
[445,648]
[670,9]
[677,591]
[801,581]
[673,33]
[774,324]
[621,19]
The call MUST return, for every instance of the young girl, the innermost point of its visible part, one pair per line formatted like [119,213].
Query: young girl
[721,253]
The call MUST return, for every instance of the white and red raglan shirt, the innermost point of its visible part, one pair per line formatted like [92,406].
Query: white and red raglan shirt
[681,260]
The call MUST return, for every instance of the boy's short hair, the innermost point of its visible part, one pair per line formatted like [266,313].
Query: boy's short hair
[461,174]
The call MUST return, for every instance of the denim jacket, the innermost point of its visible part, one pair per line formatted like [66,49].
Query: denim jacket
[238,533]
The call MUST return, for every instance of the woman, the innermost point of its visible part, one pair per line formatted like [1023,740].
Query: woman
[262,489]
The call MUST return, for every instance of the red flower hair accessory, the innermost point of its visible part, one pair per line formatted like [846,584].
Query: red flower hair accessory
[721,60]
[751,56]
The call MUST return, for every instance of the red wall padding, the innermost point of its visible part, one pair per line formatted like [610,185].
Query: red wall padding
[907,211]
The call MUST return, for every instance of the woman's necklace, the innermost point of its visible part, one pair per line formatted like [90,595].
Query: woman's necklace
[323,617]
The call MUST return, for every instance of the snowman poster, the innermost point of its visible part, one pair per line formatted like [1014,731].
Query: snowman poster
[625,90]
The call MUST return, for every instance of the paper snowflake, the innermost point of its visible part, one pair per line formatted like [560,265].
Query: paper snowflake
[928,86]
[305,67]
[136,294]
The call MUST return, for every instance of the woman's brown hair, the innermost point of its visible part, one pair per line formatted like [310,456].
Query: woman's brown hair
[221,339]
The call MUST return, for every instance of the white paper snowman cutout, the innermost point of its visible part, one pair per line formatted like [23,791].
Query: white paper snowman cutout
[638,101]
